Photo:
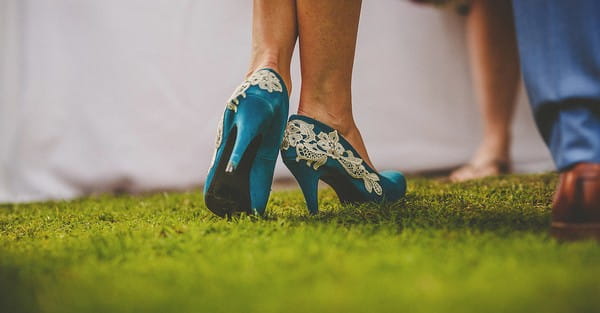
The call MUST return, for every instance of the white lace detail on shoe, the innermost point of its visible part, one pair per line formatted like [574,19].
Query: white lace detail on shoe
[315,149]
[217,141]
[265,79]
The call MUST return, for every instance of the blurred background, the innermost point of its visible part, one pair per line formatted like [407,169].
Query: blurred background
[125,95]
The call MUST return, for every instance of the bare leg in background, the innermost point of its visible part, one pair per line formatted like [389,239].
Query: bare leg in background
[495,72]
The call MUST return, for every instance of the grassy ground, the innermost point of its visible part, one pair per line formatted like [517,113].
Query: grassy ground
[472,247]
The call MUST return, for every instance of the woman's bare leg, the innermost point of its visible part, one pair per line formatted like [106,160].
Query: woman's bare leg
[495,72]
[274,34]
[327,33]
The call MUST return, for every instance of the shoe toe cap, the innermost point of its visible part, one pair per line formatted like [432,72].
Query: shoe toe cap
[394,184]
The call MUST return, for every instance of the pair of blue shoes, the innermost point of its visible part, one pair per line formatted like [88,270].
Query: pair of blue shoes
[252,132]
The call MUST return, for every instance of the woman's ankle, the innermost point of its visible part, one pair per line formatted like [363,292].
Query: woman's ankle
[274,62]
[343,123]
[492,151]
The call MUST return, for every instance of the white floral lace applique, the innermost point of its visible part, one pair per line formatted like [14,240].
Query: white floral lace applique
[264,79]
[316,149]
[218,141]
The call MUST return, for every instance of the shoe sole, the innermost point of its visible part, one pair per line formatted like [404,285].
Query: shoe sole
[229,193]
[575,231]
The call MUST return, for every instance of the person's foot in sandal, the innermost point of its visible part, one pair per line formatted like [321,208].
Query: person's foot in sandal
[488,161]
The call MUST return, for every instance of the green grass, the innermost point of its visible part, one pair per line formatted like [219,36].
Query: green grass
[472,247]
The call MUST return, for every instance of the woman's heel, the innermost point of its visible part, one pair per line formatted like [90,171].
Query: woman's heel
[251,121]
[308,179]
[248,138]
[229,189]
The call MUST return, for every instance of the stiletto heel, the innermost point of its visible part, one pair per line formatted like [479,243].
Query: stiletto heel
[248,139]
[308,179]
[262,116]
[313,151]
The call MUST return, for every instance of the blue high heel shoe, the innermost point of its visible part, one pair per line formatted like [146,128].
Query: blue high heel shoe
[248,140]
[312,150]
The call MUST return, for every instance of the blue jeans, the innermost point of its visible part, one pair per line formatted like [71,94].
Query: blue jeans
[559,46]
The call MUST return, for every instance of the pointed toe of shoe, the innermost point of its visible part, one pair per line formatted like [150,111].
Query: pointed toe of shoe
[395,184]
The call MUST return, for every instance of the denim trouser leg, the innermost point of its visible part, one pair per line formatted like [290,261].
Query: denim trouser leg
[559,45]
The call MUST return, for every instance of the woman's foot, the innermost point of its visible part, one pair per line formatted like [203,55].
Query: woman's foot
[248,139]
[489,160]
[314,151]
[479,170]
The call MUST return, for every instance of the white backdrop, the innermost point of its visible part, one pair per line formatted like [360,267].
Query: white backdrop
[104,95]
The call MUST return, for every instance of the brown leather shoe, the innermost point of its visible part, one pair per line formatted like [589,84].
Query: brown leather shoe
[576,207]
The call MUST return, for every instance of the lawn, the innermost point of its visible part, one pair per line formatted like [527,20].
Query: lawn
[471,247]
